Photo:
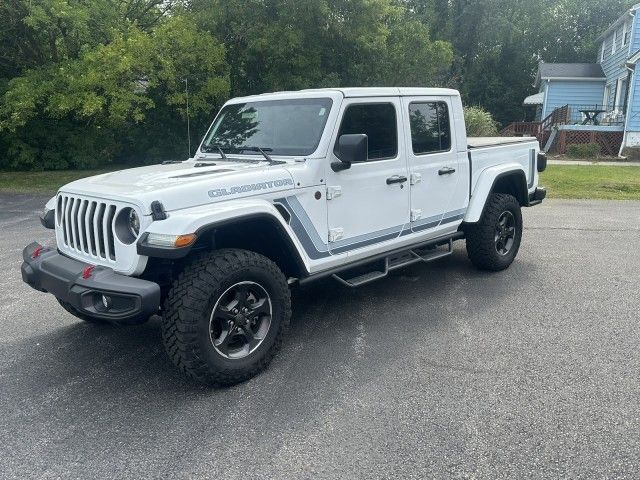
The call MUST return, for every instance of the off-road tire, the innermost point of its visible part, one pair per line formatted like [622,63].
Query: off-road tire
[481,236]
[87,318]
[191,300]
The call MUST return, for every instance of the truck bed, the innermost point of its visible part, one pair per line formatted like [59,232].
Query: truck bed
[488,152]
[481,142]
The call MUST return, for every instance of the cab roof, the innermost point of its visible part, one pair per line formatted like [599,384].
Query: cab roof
[389,91]
[352,92]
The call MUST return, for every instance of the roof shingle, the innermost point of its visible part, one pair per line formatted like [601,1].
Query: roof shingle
[569,70]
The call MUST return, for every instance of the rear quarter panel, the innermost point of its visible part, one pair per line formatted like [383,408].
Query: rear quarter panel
[488,163]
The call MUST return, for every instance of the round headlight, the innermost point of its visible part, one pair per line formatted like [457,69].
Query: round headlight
[127,225]
[134,223]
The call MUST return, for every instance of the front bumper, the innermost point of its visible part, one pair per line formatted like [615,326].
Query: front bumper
[98,292]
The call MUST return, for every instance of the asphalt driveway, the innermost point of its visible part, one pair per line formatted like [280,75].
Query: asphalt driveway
[439,371]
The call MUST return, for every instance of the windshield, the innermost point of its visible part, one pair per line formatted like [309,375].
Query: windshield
[281,127]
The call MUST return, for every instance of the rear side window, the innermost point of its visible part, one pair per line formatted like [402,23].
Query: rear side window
[430,127]
[378,122]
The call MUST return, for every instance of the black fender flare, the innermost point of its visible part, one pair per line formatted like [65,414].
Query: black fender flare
[203,231]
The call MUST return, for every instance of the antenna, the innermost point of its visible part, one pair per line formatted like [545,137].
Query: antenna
[186,89]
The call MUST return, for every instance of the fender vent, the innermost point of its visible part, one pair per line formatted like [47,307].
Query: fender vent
[284,213]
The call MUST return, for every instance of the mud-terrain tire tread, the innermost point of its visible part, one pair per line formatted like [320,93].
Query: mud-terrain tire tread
[481,236]
[186,303]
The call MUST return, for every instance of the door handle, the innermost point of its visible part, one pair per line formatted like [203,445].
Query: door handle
[446,171]
[396,179]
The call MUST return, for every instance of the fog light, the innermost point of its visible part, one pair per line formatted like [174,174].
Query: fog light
[106,302]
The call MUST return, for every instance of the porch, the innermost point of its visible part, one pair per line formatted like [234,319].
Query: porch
[576,124]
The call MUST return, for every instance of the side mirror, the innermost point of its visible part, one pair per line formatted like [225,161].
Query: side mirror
[351,148]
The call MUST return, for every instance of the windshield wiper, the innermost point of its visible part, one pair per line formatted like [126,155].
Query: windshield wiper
[262,150]
[212,148]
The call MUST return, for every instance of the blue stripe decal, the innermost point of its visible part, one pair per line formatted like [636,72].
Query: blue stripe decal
[452,219]
[315,250]
[423,224]
[366,238]
[364,243]
[312,243]
[299,211]
[455,213]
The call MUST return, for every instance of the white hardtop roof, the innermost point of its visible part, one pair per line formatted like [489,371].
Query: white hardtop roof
[352,92]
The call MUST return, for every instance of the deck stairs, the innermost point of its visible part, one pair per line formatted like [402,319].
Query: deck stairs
[543,130]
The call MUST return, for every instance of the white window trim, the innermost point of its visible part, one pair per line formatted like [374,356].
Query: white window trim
[613,43]
[624,34]
[602,52]
[617,97]
[616,101]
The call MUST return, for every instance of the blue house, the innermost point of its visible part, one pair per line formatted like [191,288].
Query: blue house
[595,101]
[560,84]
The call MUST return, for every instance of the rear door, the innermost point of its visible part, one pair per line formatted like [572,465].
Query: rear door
[433,162]
[369,202]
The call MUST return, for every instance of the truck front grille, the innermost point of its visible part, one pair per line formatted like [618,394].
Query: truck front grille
[87,226]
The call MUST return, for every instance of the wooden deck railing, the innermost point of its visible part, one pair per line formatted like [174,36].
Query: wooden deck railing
[522,129]
[560,116]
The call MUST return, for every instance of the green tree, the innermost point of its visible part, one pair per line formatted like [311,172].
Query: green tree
[292,44]
[34,33]
[83,83]
[125,98]
[499,43]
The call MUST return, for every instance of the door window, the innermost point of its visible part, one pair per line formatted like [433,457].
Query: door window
[378,122]
[430,127]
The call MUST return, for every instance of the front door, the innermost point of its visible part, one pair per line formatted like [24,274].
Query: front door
[433,161]
[369,202]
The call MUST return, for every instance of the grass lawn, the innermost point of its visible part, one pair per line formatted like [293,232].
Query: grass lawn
[562,181]
[592,181]
[42,182]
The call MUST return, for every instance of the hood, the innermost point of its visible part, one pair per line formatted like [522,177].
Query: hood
[184,184]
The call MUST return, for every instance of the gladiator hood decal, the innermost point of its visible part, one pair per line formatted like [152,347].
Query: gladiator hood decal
[250,187]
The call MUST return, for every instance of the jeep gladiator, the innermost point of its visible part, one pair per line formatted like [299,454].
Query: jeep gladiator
[284,189]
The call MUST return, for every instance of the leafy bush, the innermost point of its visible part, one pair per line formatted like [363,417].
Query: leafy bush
[583,150]
[125,98]
[479,122]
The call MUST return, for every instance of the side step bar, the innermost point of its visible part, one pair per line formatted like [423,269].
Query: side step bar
[399,260]
[364,263]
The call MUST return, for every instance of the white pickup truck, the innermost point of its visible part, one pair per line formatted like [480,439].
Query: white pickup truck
[285,188]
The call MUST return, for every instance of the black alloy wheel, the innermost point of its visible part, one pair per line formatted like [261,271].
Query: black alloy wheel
[240,320]
[505,233]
